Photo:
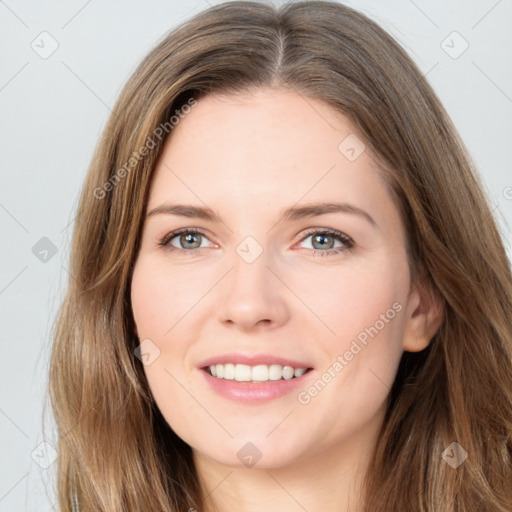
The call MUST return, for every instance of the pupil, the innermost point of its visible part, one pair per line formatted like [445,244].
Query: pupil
[188,238]
[322,237]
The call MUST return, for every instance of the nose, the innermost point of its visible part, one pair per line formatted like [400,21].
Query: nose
[252,296]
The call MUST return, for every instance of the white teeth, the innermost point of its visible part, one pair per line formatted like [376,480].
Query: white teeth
[229,371]
[275,372]
[242,373]
[258,373]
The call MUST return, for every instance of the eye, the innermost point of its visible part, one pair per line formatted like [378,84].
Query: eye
[324,241]
[187,240]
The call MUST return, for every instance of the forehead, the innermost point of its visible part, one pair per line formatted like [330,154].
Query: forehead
[268,147]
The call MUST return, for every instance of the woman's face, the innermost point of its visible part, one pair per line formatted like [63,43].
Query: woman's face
[299,260]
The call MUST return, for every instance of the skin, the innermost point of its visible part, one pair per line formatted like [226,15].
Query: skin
[248,157]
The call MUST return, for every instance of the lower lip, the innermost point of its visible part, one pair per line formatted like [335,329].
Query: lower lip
[255,392]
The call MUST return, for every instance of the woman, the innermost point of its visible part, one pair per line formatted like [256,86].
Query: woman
[337,336]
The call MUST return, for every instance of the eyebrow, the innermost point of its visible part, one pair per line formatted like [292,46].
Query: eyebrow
[293,213]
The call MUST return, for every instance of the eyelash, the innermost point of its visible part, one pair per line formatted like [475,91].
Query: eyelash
[346,240]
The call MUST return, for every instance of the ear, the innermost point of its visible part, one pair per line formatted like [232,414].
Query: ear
[424,314]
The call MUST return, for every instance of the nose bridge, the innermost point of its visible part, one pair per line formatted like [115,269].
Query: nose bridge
[250,266]
[251,292]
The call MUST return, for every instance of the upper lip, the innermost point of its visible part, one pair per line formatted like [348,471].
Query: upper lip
[252,360]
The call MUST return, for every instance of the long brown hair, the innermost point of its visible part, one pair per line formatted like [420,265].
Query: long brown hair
[116,452]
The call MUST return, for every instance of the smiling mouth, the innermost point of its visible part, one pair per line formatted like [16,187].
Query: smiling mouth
[255,374]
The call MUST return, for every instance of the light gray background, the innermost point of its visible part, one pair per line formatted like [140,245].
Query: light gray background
[52,111]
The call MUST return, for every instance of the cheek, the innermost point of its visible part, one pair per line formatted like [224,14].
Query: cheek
[365,304]
[364,307]
[352,301]
[165,300]
[161,297]
[363,312]
[160,300]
